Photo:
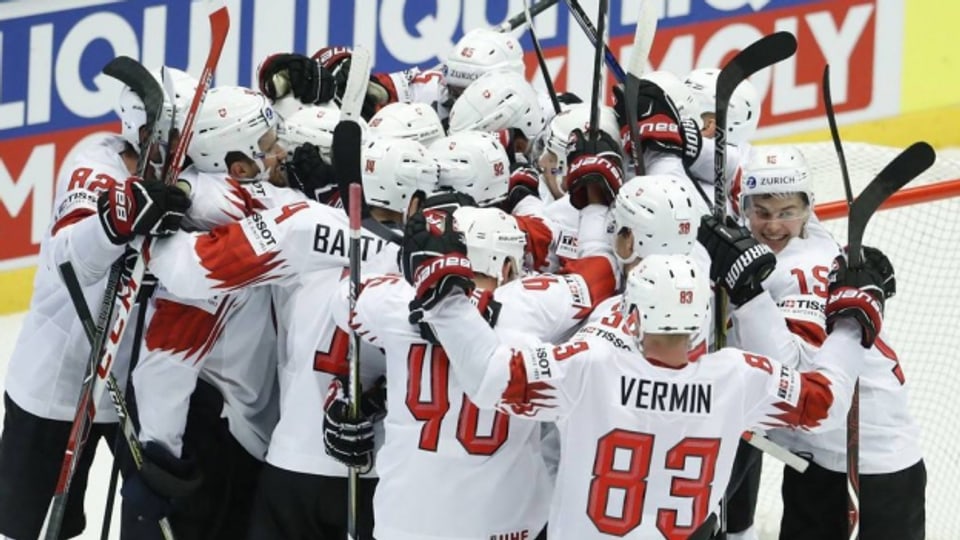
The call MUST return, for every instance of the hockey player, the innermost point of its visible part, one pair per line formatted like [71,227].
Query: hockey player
[788,322]
[206,376]
[477,474]
[552,161]
[99,206]
[302,491]
[574,383]
[409,121]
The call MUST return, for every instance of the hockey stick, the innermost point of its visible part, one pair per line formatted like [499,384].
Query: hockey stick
[597,70]
[594,36]
[517,20]
[547,80]
[144,85]
[853,414]
[347,148]
[642,42]
[107,343]
[761,54]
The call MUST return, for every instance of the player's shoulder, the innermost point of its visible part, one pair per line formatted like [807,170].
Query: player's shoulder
[94,166]
[386,294]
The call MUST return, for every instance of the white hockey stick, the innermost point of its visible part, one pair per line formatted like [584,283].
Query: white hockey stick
[357,80]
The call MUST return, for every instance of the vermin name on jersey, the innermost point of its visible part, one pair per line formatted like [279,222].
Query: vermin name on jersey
[688,398]
[259,233]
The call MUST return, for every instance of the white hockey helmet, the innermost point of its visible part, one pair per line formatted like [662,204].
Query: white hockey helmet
[773,170]
[743,111]
[492,237]
[417,121]
[474,163]
[394,170]
[133,115]
[687,104]
[232,119]
[576,116]
[659,211]
[670,294]
[312,124]
[498,100]
[480,51]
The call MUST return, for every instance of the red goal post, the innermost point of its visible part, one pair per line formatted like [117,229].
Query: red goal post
[919,229]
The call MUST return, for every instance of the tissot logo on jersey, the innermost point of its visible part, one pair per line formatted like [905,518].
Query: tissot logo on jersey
[788,385]
[260,233]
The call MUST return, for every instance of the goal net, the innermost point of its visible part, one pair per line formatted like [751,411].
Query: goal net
[923,319]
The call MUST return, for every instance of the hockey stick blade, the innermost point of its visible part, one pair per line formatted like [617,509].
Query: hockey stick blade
[760,54]
[357,80]
[904,168]
[144,85]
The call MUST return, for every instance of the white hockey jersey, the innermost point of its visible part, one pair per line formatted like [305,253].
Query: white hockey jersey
[50,357]
[449,469]
[646,449]
[416,86]
[228,340]
[889,436]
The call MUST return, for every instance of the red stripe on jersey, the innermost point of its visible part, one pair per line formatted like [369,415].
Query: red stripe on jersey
[811,332]
[539,238]
[598,272]
[815,400]
[70,219]
[181,328]
[230,260]
[695,353]
[244,200]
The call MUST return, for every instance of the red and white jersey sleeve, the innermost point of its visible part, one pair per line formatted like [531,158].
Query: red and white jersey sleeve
[217,199]
[448,469]
[270,247]
[789,323]
[229,341]
[49,359]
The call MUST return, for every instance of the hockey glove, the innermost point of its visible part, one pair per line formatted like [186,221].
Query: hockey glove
[593,164]
[433,258]
[524,182]
[148,493]
[878,261]
[857,293]
[348,440]
[659,125]
[737,261]
[308,80]
[309,173]
[136,206]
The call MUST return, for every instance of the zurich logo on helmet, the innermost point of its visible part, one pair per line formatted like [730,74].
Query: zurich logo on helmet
[751,182]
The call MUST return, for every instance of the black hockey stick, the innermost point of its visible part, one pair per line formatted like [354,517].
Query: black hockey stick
[761,54]
[853,414]
[595,98]
[517,20]
[134,75]
[544,70]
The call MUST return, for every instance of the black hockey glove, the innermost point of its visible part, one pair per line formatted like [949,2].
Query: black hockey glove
[858,293]
[599,164]
[308,80]
[348,440]
[309,173]
[434,259]
[148,493]
[877,260]
[737,261]
[146,207]
[524,182]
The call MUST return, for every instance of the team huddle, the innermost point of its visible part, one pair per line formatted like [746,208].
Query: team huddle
[536,318]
